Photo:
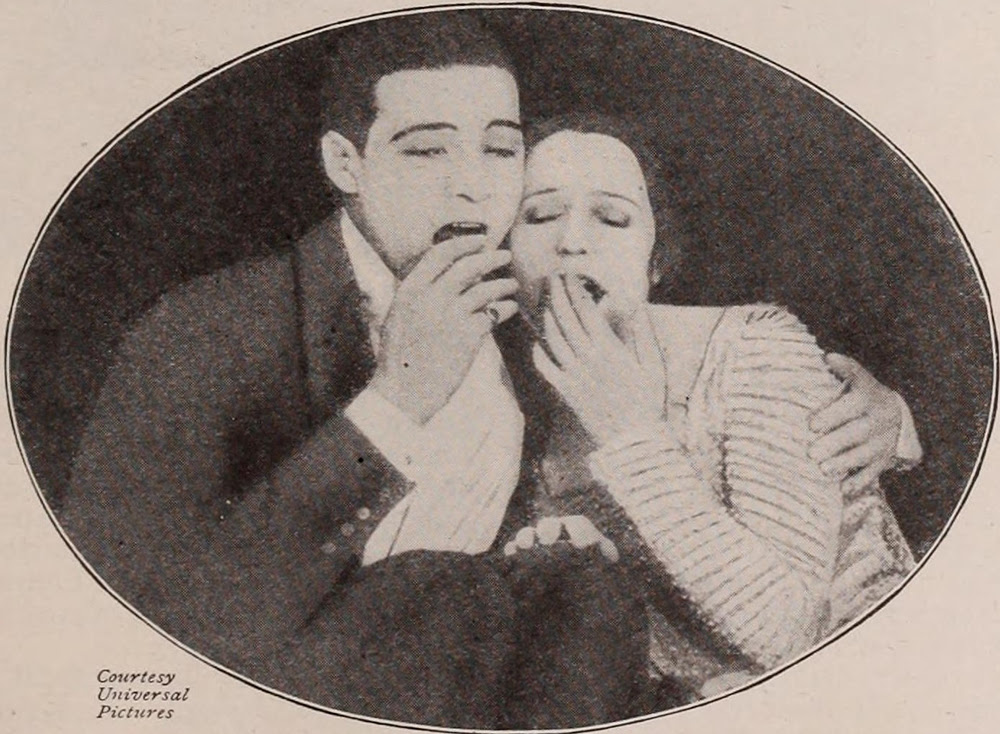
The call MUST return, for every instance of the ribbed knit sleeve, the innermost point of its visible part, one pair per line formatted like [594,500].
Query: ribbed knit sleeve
[740,517]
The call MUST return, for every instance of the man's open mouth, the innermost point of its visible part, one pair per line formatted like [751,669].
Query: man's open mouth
[458,229]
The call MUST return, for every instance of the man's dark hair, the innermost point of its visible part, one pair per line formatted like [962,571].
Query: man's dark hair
[672,235]
[366,52]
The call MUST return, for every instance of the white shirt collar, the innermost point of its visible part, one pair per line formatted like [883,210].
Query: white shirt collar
[376,281]
[465,461]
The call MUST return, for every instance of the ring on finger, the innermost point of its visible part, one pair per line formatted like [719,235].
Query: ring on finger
[493,313]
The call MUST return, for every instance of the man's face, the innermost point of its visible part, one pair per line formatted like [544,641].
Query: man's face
[444,157]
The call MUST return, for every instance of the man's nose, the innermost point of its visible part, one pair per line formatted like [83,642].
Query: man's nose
[468,179]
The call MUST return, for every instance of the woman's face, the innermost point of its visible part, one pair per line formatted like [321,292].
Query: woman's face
[585,213]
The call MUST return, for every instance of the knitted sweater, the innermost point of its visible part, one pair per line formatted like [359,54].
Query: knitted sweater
[766,547]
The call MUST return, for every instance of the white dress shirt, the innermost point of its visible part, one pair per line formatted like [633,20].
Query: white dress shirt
[464,462]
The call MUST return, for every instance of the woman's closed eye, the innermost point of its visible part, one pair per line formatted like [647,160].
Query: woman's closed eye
[542,213]
[611,215]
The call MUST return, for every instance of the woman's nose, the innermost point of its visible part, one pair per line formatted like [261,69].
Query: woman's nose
[573,240]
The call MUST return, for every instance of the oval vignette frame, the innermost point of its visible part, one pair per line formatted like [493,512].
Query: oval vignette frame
[568,13]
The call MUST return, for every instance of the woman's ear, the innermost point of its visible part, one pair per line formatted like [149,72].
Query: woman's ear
[341,161]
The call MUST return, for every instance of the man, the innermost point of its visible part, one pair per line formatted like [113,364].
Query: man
[248,451]
[296,464]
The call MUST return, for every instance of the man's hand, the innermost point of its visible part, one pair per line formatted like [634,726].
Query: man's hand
[578,530]
[860,429]
[437,323]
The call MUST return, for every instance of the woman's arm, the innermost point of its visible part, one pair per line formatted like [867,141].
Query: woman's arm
[742,519]
[756,551]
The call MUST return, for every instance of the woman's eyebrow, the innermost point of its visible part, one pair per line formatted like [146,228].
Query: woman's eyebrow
[613,195]
[539,192]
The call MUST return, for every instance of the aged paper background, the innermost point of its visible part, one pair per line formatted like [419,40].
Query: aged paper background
[926,73]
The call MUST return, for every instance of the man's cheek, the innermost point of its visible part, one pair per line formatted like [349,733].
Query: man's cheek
[509,196]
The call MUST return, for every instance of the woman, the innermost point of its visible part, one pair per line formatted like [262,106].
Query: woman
[682,432]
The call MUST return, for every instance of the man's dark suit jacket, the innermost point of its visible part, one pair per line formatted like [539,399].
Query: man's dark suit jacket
[220,491]
[217,487]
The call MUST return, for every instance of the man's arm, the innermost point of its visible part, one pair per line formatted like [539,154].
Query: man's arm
[228,552]
[867,430]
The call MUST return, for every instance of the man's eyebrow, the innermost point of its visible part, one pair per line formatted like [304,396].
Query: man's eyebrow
[422,126]
[505,123]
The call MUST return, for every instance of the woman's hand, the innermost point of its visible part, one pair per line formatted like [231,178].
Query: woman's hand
[612,385]
[578,530]
[860,429]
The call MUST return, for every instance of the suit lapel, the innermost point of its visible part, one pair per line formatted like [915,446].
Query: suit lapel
[338,355]
[339,362]
[534,397]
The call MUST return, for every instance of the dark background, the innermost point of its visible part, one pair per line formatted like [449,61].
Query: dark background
[789,200]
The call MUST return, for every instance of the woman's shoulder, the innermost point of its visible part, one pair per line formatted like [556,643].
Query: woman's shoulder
[756,342]
[684,334]
[767,318]
[766,331]
[697,327]
[766,344]
[679,327]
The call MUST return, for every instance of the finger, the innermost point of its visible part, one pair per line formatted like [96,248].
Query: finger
[470,269]
[848,407]
[502,311]
[858,457]
[581,531]
[863,478]
[627,335]
[548,530]
[567,319]
[486,292]
[510,548]
[440,257]
[547,368]
[844,367]
[484,320]
[555,340]
[647,347]
[841,440]
[593,322]
[525,538]
[608,549]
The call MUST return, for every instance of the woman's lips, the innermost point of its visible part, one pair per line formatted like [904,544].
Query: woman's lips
[458,229]
[595,289]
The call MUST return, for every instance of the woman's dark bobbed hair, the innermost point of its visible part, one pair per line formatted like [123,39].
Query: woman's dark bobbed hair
[671,234]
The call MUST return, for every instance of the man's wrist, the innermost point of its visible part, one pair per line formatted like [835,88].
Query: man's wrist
[398,438]
[405,400]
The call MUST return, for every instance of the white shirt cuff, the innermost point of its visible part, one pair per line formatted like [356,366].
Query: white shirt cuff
[390,430]
[908,449]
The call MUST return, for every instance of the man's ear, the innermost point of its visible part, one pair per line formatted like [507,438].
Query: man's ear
[341,161]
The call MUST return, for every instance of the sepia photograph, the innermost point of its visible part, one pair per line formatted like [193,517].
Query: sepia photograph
[498,368]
